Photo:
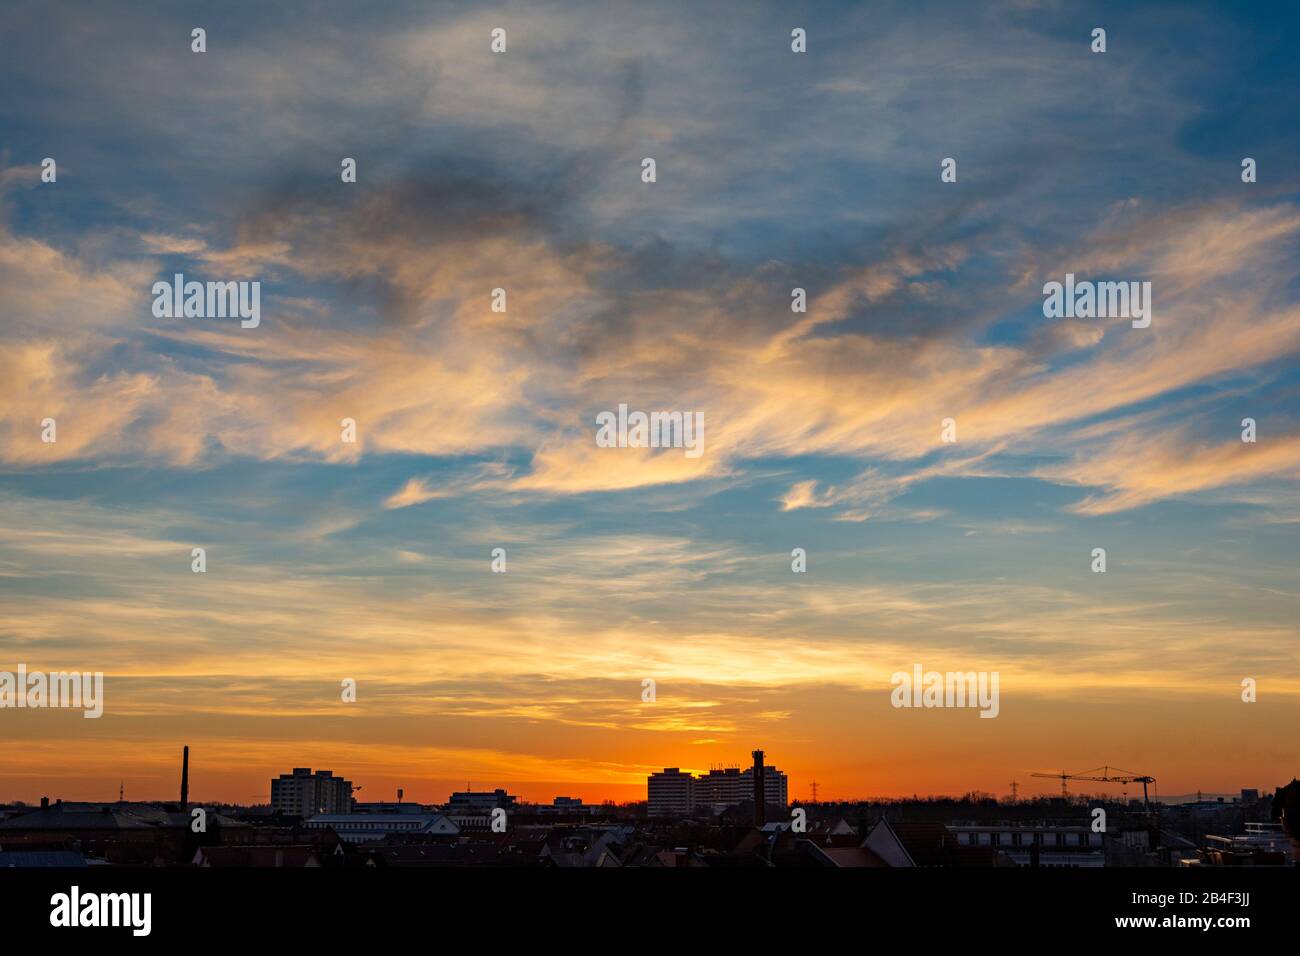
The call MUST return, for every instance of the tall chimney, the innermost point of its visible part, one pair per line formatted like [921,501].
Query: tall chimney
[185,780]
[760,791]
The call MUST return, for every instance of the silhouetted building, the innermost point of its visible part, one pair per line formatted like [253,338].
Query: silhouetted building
[670,792]
[1026,844]
[473,809]
[376,827]
[480,801]
[133,834]
[388,806]
[566,806]
[732,785]
[304,794]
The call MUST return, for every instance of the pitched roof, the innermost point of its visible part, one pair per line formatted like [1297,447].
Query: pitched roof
[926,843]
[58,817]
[852,856]
[108,816]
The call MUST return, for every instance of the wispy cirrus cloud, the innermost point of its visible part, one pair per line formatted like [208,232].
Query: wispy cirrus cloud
[475,428]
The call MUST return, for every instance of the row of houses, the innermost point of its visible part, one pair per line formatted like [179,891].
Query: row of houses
[62,834]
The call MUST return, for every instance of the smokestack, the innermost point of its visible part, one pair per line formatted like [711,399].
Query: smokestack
[185,780]
[760,791]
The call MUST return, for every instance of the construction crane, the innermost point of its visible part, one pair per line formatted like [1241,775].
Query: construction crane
[1107,775]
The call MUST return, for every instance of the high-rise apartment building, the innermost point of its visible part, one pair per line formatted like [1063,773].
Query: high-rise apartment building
[304,794]
[733,785]
[672,792]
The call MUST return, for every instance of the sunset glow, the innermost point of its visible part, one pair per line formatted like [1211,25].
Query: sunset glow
[329,560]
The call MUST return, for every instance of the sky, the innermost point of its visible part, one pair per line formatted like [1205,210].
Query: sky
[372,561]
